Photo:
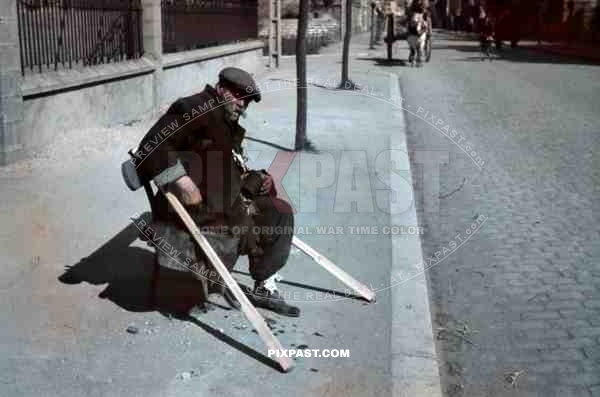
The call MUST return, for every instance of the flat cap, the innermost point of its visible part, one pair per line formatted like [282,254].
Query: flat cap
[241,80]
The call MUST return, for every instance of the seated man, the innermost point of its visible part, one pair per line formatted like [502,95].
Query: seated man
[194,151]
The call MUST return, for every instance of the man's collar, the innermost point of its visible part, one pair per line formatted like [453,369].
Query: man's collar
[211,90]
[235,125]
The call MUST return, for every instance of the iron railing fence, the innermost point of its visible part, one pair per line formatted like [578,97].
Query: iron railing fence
[71,32]
[192,24]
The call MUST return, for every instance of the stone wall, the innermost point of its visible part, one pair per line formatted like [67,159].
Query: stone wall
[11,100]
[37,107]
[108,95]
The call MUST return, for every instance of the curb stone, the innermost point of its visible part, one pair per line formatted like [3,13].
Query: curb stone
[414,365]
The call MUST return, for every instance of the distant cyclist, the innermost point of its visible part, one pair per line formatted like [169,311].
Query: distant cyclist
[487,36]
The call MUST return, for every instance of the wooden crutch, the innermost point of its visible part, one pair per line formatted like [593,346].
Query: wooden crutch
[249,310]
[333,269]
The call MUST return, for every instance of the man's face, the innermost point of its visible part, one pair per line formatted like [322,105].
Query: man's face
[236,102]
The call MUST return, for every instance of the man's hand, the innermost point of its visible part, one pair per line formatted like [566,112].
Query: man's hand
[253,183]
[268,184]
[187,191]
[258,183]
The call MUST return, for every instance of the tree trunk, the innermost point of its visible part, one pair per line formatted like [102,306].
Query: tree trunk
[372,27]
[301,75]
[346,83]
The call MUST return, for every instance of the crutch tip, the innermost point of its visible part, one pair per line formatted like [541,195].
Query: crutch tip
[371,299]
[287,368]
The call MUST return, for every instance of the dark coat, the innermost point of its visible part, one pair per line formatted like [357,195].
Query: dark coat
[195,132]
[486,29]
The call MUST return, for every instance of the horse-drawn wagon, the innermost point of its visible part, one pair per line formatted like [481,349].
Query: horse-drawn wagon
[398,14]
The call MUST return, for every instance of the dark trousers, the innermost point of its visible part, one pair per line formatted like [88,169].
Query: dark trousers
[276,219]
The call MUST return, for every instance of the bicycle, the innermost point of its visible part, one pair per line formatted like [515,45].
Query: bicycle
[487,48]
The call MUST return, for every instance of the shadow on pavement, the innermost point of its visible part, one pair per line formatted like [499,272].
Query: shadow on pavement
[127,271]
[309,147]
[519,54]
[478,59]
[273,145]
[384,61]
[313,288]
[235,344]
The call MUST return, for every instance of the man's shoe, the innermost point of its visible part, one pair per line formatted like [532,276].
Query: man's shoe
[271,300]
[200,309]
[231,299]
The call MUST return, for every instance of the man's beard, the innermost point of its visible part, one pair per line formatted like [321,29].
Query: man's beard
[232,113]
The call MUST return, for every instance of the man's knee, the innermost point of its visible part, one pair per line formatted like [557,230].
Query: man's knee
[283,207]
[273,205]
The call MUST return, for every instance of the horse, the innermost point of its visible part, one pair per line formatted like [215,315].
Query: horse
[417,34]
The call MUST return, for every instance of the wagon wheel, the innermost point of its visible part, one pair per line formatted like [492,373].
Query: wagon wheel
[428,49]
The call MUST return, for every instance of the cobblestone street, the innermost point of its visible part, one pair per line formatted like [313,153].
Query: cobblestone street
[517,306]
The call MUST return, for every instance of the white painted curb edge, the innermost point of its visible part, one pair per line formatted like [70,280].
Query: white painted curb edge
[414,363]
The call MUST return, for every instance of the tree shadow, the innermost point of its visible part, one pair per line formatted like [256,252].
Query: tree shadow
[308,147]
[519,55]
[380,61]
[273,145]
[340,87]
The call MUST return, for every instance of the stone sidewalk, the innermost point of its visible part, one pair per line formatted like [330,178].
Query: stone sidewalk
[70,213]
[378,117]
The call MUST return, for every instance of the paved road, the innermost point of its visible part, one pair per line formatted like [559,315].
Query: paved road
[523,292]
